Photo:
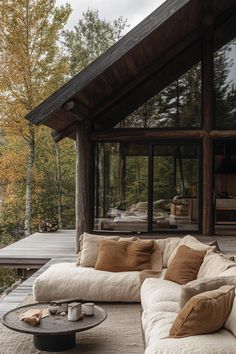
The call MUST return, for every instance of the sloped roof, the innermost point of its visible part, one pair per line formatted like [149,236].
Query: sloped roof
[145,60]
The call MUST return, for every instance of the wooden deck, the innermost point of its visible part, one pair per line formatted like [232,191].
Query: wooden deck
[19,294]
[37,249]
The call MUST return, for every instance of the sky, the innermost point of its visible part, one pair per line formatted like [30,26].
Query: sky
[134,10]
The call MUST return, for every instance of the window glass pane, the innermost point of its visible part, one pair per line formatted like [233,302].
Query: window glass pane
[175,185]
[225,86]
[121,187]
[177,106]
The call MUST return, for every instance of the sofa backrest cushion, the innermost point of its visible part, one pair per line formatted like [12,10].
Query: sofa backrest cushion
[89,245]
[191,242]
[167,246]
[201,285]
[185,265]
[213,264]
[124,256]
[204,313]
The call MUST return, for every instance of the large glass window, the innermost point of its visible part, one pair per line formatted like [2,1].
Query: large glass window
[140,188]
[121,187]
[225,86]
[175,187]
[177,106]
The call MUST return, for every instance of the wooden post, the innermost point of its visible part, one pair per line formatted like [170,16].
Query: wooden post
[84,182]
[208,117]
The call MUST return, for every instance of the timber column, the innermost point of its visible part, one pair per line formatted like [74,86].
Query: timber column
[208,116]
[84,180]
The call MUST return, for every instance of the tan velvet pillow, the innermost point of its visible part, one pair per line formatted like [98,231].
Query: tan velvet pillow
[124,256]
[204,313]
[89,245]
[185,265]
[201,285]
[193,243]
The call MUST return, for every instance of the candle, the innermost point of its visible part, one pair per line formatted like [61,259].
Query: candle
[74,311]
[88,308]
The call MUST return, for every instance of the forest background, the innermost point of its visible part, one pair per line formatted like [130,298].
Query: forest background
[37,176]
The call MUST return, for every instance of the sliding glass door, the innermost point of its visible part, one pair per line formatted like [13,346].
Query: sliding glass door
[175,187]
[146,187]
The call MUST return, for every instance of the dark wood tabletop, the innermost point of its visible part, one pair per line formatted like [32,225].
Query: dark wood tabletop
[51,325]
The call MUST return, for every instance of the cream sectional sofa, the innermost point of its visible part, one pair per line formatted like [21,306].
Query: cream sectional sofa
[159,298]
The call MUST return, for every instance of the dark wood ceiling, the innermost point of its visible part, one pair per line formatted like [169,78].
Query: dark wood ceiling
[149,57]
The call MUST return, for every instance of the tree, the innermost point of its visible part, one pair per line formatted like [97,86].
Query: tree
[90,38]
[31,68]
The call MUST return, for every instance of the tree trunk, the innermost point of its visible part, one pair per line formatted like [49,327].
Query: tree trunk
[29,181]
[58,184]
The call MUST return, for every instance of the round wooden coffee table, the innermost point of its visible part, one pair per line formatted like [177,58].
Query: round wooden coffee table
[54,333]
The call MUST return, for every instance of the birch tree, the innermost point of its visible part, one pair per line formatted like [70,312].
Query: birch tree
[31,68]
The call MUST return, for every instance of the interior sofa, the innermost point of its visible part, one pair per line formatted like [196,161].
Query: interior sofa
[160,298]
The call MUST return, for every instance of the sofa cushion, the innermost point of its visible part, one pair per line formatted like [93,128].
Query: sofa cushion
[191,242]
[185,265]
[201,285]
[204,313]
[221,342]
[123,256]
[66,280]
[89,245]
[230,323]
[167,246]
[213,264]
[154,291]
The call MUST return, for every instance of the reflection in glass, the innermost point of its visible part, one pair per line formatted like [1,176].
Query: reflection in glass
[177,106]
[225,86]
[175,186]
[124,189]
[121,187]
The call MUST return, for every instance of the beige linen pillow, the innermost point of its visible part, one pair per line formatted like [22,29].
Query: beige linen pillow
[185,265]
[204,313]
[167,246]
[201,285]
[213,264]
[124,256]
[89,245]
[191,242]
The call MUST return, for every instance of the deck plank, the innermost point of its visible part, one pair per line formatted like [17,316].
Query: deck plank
[37,249]
[18,295]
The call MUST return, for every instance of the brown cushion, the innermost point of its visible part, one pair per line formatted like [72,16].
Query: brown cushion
[185,265]
[124,256]
[204,313]
[89,245]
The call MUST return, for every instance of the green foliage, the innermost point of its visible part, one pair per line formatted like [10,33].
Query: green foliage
[90,38]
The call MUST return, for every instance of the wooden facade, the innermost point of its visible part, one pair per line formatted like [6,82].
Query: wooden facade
[176,36]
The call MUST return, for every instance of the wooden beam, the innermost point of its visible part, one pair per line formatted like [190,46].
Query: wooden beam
[223,134]
[78,109]
[114,135]
[208,115]
[67,131]
[84,185]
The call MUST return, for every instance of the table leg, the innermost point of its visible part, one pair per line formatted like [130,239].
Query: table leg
[54,343]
